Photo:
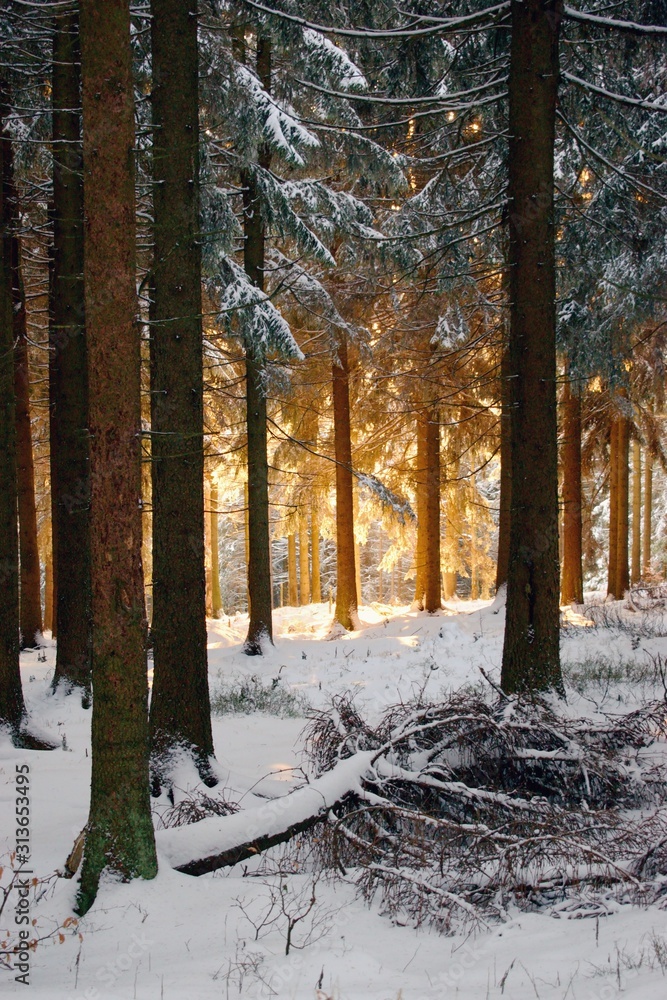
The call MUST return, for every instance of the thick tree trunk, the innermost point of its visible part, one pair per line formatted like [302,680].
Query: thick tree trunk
[636,511]
[119,833]
[623,511]
[572,583]
[180,716]
[260,628]
[315,553]
[346,613]
[304,568]
[48,589]
[292,585]
[216,599]
[612,565]
[432,588]
[68,381]
[505,504]
[648,513]
[422,515]
[531,658]
[12,708]
[31,606]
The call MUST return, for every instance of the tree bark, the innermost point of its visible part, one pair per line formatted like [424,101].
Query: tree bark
[216,599]
[648,513]
[612,566]
[636,511]
[315,553]
[304,568]
[623,510]
[68,382]
[260,628]
[180,716]
[346,613]
[422,513]
[119,836]
[12,707]
[30,601]
[432,588]
[531,659]
[572,582]
[292,586]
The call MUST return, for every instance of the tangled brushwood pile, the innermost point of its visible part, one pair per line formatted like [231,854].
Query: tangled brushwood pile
[471,805]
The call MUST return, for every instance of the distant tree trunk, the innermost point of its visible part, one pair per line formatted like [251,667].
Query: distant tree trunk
[636,511]
[292,585]
[315,553]
[474,572]
[48,589]
[623,511]
[119,833]
[648,513]
[260,628]
[531,659]
[505,503]
[216,599]
[432,588]
[346,586]
[612,566]
[304,568]
[180,716]
[31,606]
[572,582]
[68,380]
[12,707]
[422,513]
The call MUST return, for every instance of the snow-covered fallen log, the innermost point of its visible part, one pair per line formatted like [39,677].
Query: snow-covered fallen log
[223,841]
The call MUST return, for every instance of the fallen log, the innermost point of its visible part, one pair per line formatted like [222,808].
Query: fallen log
[223,841]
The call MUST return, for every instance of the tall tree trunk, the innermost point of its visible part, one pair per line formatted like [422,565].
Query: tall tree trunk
[636,511]
[68,380]
[260,628]
[572,582]
[180,716]
[346,613]
[422,513]
[48,589]
[119,833]
[648,513]
[31,605]
[304,568]
[623,511]
[505,503]
[315,552]
[216,599]
[531,659]
[12,707]
[432,588]
[612,565]
[292,585]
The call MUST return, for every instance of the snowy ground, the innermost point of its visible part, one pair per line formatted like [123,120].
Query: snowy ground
[181,937]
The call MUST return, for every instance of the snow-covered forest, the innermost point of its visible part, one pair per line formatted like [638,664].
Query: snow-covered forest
[333,575]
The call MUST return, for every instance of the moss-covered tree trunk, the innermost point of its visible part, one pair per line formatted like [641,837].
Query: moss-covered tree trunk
[531,648]
[572,584]
[12,708]
[180,716]
[68,381]
[119,835]
[346,584]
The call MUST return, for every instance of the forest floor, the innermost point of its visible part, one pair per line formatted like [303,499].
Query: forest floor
[224,935]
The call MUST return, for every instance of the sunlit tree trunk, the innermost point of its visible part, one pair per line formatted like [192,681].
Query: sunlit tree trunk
[612,565]
[623,510]
[648,513]
[304,568]
[422,514]
[315,552]
[636,511]
[119,833]
[572,584]
[68,386]
[12,708]
[432,588]
[292,585]
[346,587]
[216,599]
[531,659]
